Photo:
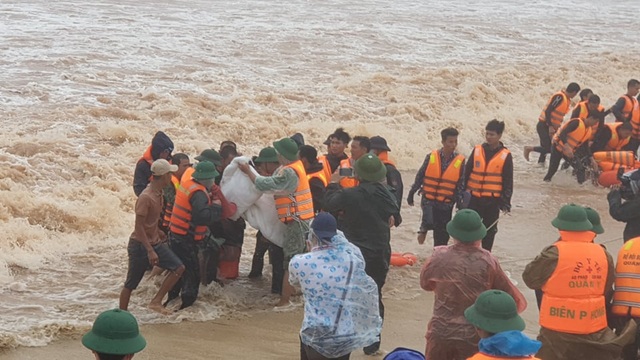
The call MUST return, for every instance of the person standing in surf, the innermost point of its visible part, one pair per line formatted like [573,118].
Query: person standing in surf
[489,179]
[147,245]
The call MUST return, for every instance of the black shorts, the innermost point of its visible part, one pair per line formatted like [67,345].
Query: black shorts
[139,262]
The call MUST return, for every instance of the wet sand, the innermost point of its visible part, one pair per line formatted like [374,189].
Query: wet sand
[265,334]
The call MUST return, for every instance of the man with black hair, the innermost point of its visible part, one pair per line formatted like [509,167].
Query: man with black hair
[345,174]
[228,153]
[550,120]
[338,142]
[317,180]
[160,148]
[571,136]
[489,179]
[627,109]
[613,137]
[440,181]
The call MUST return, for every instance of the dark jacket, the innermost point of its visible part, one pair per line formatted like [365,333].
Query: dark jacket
[507,173]
[627,212]
[365,211]
[317,187]
[334,161]
[394,180]
[142,173]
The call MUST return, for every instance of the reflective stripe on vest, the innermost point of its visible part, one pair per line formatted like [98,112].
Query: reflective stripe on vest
[298,205]
[181,214]
[167,209]
[631,112]
[626,299]
[481,356]
[573,300]
[485,179]
[347,181]
[575,138]
[326,166]
[615,143]
[557,115]
[438,186]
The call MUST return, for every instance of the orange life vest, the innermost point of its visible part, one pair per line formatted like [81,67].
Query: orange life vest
[147,155]
[575,138]
[573,300]
[298,205]
[181,215]
[584,113]
[481,356]
[326,167]
[624,158]
[347,181]
[187,174]
[557,115]
[319,175]
[384,157]
[485,179]
[631,113]
[438,186]
[167,209]
[615,143]
[626,299]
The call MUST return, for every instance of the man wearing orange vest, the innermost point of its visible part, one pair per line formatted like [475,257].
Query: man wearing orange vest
[193,210]
[489,179]
[293,202]
[147,244]
[345,175]
[550,120]
[440,181]
[495,316]
[368,212]
[627,109]
[626,298]
[169,192]
[315,174]
[612,137]
[338,142]
[566,142]
[160,148]
[394,178]
[576,277]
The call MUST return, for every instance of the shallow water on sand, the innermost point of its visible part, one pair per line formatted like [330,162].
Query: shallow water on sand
[86,84]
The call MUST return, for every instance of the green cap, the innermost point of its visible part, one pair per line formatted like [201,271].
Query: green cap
[370,168]
[267,155]
[594,219]
[210,155]
[205,170]
[572,217]
[466,226]
[494,311]
[287,148]
[115,332]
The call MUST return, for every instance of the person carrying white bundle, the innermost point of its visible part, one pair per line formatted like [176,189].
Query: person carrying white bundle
[341,311]
[293,202]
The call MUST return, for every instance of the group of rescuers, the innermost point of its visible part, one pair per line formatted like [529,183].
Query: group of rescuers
[182,224]
[586,141]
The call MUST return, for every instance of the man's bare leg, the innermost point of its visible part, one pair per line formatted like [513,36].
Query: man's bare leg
[168,283]
[125,295]
[287,290]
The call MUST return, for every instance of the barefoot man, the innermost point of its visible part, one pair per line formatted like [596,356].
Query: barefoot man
[147,245]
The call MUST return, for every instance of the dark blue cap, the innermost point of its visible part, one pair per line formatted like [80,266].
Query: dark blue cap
[324,226]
